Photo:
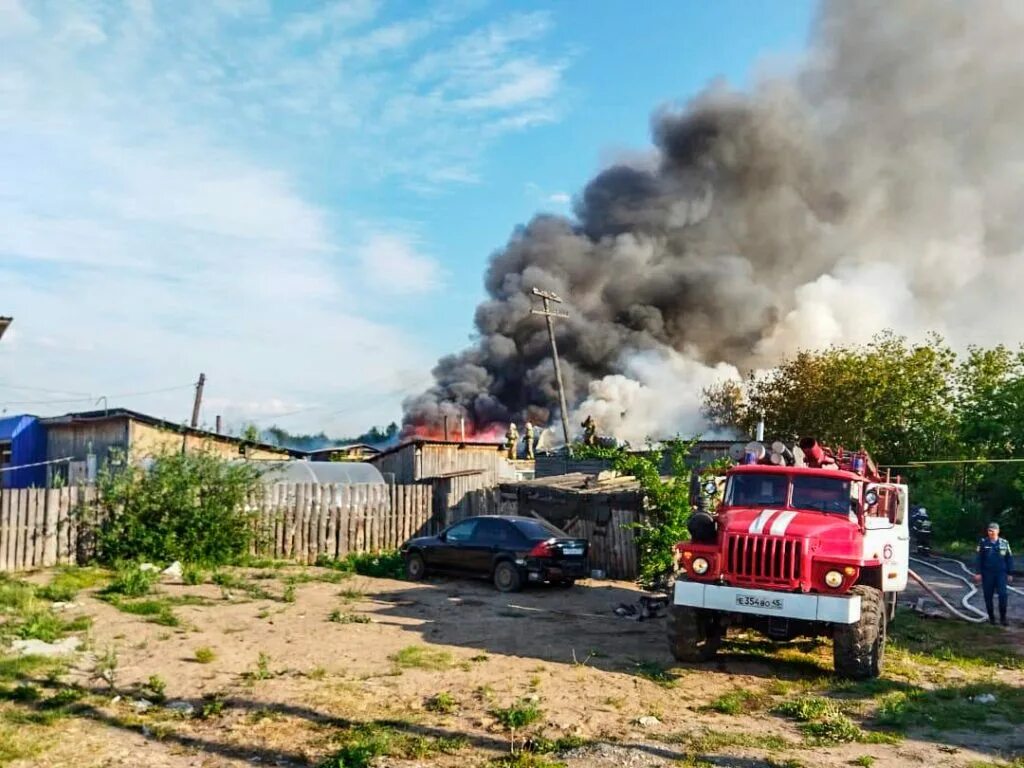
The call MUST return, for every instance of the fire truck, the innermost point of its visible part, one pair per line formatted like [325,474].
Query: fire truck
[802,542]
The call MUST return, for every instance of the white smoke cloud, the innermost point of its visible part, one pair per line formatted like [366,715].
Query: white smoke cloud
[658,395]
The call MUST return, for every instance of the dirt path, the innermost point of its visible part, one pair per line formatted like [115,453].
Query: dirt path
[288,680]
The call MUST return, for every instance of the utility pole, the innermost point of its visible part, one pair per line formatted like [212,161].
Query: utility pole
[199,400]
[547,297]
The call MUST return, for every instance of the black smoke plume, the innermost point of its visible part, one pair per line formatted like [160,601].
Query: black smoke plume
[877,186]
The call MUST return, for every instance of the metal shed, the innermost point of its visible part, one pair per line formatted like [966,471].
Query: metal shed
[22,443]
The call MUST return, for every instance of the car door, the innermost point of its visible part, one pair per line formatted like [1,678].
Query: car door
[480,551]
[452,553]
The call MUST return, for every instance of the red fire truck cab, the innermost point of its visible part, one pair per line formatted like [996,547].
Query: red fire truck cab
[808,542]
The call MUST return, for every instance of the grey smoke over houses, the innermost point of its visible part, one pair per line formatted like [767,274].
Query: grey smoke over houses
[878,186]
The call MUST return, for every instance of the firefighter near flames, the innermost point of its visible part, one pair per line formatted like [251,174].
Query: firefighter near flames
[803,542]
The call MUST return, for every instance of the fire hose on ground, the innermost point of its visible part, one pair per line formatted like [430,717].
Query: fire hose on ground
[980,616]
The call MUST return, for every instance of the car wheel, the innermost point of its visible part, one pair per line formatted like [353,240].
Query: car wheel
[415,567]
[506,577]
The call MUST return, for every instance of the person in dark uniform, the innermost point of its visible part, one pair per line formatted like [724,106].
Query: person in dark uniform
[995,564]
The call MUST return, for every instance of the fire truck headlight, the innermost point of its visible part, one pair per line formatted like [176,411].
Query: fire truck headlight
[834,579]
[699,565]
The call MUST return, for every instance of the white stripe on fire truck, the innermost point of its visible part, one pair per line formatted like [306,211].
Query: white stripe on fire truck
[759,522]
[781,523]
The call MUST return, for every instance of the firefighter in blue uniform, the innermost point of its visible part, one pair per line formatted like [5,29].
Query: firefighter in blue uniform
[995,564]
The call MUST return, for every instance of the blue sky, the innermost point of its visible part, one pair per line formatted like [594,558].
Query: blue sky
[300,198]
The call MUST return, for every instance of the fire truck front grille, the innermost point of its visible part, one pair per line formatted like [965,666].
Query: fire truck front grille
[769,560]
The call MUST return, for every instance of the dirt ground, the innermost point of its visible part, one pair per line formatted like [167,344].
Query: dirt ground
[283,679]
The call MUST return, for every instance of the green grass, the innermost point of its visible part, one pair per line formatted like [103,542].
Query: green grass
[823,722]
[155,689]
[807,708]
[380,565]
[443,703]
[205,655]
[656,673]
[711,740]
[193,575]
[968,646]
[418,657]
[262,670]
[130,581]
[866,761]
[545,746]
[17,743]
[155,610]
[16,596]
[518,715]
[342,617]
[229,580]
[740,701]
[68,581]
[18,668]
[361,745]
[525,760]
[953,708]
[43,624]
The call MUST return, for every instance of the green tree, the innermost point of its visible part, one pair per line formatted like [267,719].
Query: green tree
[184,506]
[666,506]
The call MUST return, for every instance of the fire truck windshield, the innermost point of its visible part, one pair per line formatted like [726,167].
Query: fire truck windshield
[749,490]
[822,494]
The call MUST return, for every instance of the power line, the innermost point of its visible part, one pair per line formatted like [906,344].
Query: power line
[90,399]
[5,385]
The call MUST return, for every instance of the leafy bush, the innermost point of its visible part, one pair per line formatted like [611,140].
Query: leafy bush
[188,507]
[667,504]
[379,565]
[205,655]
[131,581]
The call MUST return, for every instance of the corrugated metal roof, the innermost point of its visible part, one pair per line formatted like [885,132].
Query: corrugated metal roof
[321,472]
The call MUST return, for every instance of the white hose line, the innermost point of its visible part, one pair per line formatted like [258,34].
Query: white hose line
[973,589]
[970,573]
[946,604]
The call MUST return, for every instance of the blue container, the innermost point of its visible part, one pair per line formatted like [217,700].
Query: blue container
[27,438]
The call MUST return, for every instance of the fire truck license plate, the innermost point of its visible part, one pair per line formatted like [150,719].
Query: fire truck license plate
[764,603]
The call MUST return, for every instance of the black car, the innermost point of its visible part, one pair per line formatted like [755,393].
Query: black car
[511,551]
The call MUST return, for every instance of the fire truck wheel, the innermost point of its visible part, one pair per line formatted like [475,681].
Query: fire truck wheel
[858,650]
[693,634]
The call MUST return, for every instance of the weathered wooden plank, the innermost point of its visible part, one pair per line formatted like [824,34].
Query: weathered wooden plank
[36,526]
[60,523]
[18,555]
[6,532]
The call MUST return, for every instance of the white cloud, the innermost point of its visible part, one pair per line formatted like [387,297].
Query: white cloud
[559,198]
[153,223]
[392,264]
[15,19]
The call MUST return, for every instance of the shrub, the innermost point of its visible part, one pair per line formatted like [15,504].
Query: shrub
[380,565]
[443,703]
[187,506]
[131,581]
[205,655]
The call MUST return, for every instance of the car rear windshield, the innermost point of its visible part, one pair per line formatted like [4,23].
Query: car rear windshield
[537,529]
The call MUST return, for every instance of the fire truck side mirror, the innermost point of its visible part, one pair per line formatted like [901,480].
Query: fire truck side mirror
[710,487]
[871,497]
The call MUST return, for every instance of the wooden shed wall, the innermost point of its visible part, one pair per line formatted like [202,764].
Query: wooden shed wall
[78,439]
[438,460]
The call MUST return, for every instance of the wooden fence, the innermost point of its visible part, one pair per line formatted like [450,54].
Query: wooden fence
[40,528]
[304,521]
